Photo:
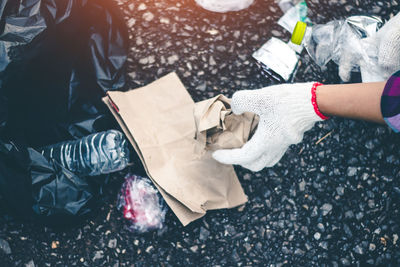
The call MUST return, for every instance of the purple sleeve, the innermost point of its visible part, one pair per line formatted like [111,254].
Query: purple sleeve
[390,102]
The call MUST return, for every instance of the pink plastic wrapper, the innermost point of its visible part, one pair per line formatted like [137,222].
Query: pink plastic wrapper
[141,204]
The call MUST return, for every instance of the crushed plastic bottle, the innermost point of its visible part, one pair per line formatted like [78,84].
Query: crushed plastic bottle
[345,42]
[141,204]
[95,154]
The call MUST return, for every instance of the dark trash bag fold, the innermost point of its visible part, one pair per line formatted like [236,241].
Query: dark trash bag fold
[58,58]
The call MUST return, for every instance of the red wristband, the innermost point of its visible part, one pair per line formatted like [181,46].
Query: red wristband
[314,101]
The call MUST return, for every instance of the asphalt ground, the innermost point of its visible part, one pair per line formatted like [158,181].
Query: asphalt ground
[332,200]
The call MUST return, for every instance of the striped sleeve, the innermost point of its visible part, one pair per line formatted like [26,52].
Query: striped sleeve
[390,102]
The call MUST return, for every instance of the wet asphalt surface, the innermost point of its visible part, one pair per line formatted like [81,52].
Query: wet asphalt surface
[330,201]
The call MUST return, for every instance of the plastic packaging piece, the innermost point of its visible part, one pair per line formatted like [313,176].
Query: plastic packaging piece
[224,5]
[96,154]
[141,204]
[51,89]
[276,60]
[320,40]
[343,41]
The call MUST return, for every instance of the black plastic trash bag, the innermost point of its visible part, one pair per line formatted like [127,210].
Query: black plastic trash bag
[37,188]
[57,60]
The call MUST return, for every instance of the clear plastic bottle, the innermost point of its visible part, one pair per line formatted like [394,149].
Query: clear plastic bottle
[95,154]
[320,41]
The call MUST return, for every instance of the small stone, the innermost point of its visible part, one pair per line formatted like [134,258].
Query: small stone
[377,231]
[324,245]
[142,6]
[164,20]
[370,144]
[221,48]
[194,248]
[112,243]
[204,233]
[149,249]
[370,261]
[188,28]
[395,238]
[372,246]
[144,60]
[326,208]
[321,227]
[247,246]
[299,252]
[202,87]
[304,229]
[148,16]
[345,261]
[351,171]
[98,255]
[302,185]
[349,214]
[139,41]
[131,22]
[172,59]
[151,59]
[317,236]
[31,263]
[358,250]
[359,215]
[55,244]
[230,230]
[212,61]
[4,246]
[347,230]
[340,190]
[212,31]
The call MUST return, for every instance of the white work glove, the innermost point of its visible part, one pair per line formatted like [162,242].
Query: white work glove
[389,45]
[378,56]
[286,112]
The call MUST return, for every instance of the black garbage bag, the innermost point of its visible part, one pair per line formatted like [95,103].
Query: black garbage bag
[58,58]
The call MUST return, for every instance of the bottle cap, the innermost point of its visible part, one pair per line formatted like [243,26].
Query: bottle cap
[298,32]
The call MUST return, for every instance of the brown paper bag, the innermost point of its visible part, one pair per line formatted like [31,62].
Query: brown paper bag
[158,121]
[218,128]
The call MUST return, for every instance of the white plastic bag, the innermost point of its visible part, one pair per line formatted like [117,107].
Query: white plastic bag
[224,5]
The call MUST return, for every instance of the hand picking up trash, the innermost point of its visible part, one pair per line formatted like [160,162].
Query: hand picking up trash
[288,110]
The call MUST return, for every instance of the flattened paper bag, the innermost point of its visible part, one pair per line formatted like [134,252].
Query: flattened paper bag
[218,128]
[158,120]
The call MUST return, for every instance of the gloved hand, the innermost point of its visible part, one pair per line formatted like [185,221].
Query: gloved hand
[286,112]
[388,39]
[378,56]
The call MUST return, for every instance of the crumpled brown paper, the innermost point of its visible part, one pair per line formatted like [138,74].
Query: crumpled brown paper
[218,128]
[158,121]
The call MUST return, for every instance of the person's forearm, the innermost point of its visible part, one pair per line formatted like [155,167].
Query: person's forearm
[356,101]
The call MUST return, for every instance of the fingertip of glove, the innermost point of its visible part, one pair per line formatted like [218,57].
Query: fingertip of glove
[238,99]
[220,156]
